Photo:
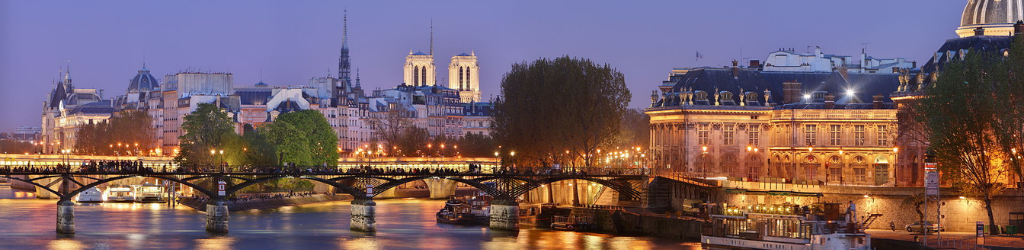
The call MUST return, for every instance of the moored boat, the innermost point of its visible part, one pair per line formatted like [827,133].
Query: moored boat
[782,228]
[149,193]
[474,211]
[119,193]
[91,195]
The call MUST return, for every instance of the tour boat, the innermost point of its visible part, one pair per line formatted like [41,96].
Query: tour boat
[91,195]
[119,193]
[149,193]
[782,231]
[474,211]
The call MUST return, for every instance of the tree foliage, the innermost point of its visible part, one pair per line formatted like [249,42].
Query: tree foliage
[390,127]
[204,129]
[551,106]
[960,114]
[291,143]
[320,139]
[128,128]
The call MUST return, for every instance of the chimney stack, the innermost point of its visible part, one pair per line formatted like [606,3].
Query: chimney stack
[1018,28]
[979,31]
[791,92]
[830,101]
[735,69]
[876,100]
[754,64]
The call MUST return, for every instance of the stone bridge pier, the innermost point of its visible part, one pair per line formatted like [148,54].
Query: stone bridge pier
[217,216]
[65,217]
[364,212]
[505,215]
[441,188]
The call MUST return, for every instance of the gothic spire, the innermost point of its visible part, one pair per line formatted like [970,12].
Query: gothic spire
[431,36]
[357,78]
[344,62]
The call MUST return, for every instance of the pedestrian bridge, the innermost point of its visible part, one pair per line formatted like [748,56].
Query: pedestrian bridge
[363,184]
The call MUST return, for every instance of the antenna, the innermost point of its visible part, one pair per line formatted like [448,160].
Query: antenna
[865,49]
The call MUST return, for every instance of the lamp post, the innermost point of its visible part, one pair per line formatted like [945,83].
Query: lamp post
[842,167]
[704,161]
[895,166]
[810,152]
[512,157]
[497,161]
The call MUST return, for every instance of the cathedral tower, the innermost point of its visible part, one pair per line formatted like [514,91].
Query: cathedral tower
[344,65]
[419,67]
[464,76]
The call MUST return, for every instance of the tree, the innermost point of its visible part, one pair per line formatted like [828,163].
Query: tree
[959,113]
[259,150]
[1009,119]
[413,141]
[555,105]
[476,145]
[635,129]
[132,129]
[204,128]
[322,141]
[291,143]
[390,125]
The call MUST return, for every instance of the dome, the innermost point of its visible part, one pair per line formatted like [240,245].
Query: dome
[996,17]
[143,82]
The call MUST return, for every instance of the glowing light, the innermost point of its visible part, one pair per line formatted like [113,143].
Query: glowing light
[850,92]
[807,96]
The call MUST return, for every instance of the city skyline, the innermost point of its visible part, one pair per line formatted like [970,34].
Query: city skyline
[288,44]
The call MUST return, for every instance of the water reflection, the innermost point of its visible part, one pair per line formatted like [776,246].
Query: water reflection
[28,223]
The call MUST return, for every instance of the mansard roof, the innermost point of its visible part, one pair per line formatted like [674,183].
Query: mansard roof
[722,79]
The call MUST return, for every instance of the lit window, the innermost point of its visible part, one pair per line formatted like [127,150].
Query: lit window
[703,134]
[835,134]
[753,135]
[729,135]
[883,135]
[858,135]
[811,134]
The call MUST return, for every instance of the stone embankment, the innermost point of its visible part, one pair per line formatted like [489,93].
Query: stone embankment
[622,222]
[200,204]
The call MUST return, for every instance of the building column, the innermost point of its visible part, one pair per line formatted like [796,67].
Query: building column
[65,217]
[505,215]
[217,216]
[364,213]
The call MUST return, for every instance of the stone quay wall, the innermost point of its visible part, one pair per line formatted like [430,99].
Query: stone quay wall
[268,203]
[959,214]
[627,223]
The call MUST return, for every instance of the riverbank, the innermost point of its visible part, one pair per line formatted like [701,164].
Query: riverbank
[267,203]
[625,222]
[899,239]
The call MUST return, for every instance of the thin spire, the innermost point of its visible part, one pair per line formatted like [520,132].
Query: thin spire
[357,77]
[143,60]
[344,29]
[431,36]
[67,75]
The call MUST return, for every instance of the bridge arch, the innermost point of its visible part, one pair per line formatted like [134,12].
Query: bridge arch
[346,189]
[30,181]
[202,190]
[620,185]
[471,182]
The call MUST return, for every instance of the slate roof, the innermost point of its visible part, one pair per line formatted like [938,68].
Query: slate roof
[143,81]
[100,107]
[955,46]
[722,79]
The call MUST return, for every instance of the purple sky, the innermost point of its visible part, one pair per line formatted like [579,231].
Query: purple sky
[295,40]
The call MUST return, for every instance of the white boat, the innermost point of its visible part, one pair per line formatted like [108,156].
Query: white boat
[91,195]
[790,231]
[149,193]
[119,193]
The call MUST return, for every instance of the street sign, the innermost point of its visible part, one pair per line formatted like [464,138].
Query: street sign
[931,179]
[221,188]
[931,183]
[369,190]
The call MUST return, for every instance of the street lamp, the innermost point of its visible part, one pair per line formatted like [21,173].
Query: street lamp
[704,160]
[512,158]
[842,167]
[895,166]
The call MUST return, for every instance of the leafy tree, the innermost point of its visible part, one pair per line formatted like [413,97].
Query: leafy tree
[259,151]
[551,106]
[476,145]
[291,143]
[131,128]
[413,141]
[204,128]
[959,113]
[322,140]
[1009,119]
[15,147]
[635,129]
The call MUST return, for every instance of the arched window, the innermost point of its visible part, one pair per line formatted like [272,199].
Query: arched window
[424,75]
[468,74]
[834,169]
[415,75]
[461,69]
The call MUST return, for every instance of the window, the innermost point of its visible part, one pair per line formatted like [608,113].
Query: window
[834,174]
[703,134]
[858,135]
[883,135]
[729,135]
[811,134]
[835,134]
[860,174]
[753,135]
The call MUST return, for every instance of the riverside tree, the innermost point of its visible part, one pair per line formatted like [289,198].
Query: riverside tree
[128,128]
[204,128]
[960,116]
[321,140]
[555,107]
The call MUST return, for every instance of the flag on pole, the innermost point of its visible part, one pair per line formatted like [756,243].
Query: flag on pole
[699,56]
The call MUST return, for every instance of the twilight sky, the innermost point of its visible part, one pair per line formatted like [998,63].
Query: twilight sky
[292,41]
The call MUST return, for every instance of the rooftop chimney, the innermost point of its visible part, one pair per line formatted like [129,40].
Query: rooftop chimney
[979,31]
[735,69]
[830,101]
[1018,27]
[876,100]
[791,92]
[754,64]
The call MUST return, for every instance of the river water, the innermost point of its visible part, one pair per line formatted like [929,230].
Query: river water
[28,223]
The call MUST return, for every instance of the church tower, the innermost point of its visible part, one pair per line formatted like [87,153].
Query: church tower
[419,67]
[344,65]
[464,76]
